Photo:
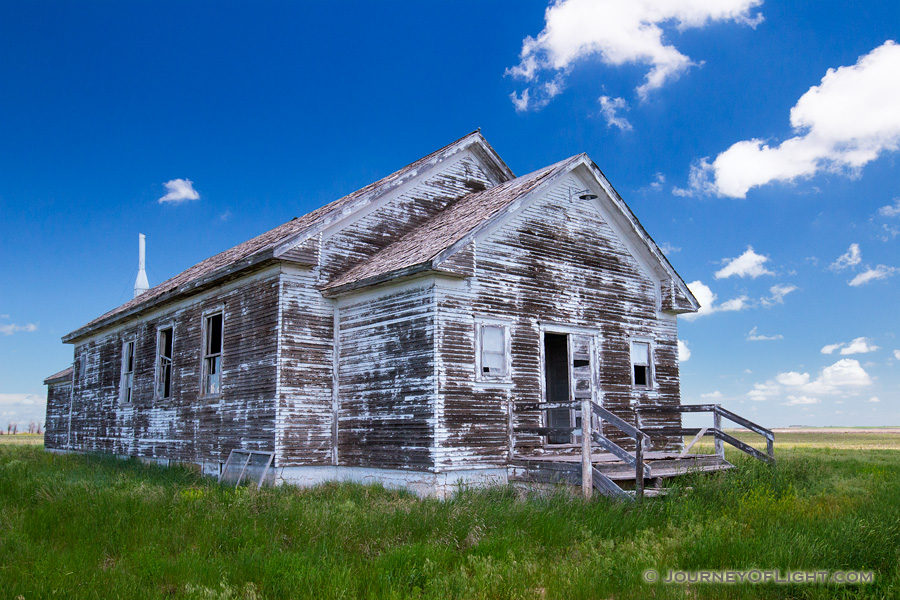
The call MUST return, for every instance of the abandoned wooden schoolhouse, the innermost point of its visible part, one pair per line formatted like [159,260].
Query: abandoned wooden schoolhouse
[450,324]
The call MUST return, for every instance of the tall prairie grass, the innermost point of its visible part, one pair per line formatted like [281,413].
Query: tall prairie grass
[97,527]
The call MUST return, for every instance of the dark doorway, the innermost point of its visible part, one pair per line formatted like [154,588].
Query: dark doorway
[556,360]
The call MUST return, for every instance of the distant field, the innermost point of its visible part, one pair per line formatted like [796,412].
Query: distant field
[834,438]
[22,438]
[74,526]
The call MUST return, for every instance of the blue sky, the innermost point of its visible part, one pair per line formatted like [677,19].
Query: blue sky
[756,141]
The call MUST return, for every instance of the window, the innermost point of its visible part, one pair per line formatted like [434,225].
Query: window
[127,371]
[212,354]
[640,364]
[164,362]
[493,358]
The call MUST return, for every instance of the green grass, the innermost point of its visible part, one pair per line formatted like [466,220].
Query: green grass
[93,527]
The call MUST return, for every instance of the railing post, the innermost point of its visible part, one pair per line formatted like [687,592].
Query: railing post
[639,466]
[587,476]
[717,424]
[770,447]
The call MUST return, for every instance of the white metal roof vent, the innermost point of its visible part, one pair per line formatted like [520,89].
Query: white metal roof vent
[141,284]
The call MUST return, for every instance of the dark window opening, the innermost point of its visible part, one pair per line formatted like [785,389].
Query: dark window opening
[164,358]
[556,359]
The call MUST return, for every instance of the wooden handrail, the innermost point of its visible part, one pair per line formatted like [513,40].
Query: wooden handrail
[716,431]
[641,470]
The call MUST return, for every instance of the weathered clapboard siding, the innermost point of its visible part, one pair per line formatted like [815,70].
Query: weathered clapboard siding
[386,379]
[185,426]
[396,216]
[557,261]
[56,423]
[306,353]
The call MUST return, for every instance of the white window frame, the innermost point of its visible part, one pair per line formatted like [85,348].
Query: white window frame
[160,358]
[126,380]
[651,370]
[505,375]
[205,355]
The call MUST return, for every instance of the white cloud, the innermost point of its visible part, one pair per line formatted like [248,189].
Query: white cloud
[707,300]
[846,372]
[22,408]
[749,264]
[874,399]
[11,328]
[178,191]
[889,210]
[860,345]
[897,354]
[609,108]
[684,353]
[620,33]
[658,181]
[842,124]
[844,376]
[797,400]
[879,272]
[764,391]
[715,394]
[792,378]
[850,258]
[755,336]
[778,291]
[668,248]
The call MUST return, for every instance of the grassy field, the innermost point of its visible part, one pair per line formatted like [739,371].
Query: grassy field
[91,527]
[22,438]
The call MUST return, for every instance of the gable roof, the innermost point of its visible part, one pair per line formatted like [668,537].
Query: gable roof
[64,375]
[419,247]
[436,240]
[262,248]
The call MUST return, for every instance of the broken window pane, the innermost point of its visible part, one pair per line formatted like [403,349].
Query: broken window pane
[212,361]
[164,363]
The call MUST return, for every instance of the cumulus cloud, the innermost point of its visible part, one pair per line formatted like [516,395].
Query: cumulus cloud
[764,391]
[707,300]
[618,33]
[178,191]
[879,272]
[715,394]
[841,125]
[850,258]
[749,264]
[609,108]
[844,376]
[755,336]
[874,399]
[860,345]
[890,210]
[897,354]
[684,353]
